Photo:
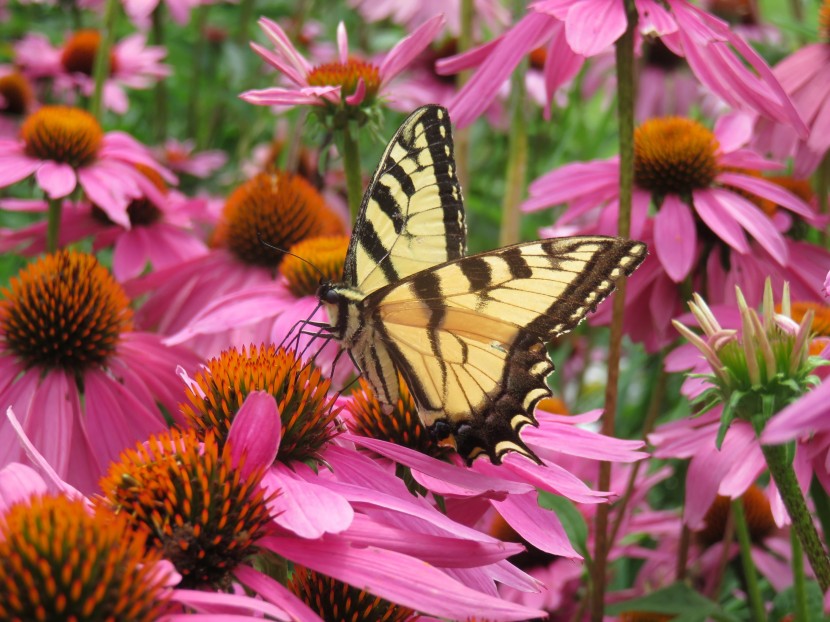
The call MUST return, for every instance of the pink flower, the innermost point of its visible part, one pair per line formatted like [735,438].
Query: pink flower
[160,235]
[17,99]
[489,13]
[805,76]
[84,385]
[351,520]
[709,194]
[181,158]
[139,11]
[575,29]
[133,64]
[348,81]
[64,147]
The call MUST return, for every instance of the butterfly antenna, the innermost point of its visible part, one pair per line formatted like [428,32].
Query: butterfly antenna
[286,252]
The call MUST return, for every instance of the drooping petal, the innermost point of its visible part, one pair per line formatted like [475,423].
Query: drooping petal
[400,56]
[592,26]
[57,179]
[733,130]
[13,168]
[719,220]
[307,96]
[397,578]
[539,527]
[561,65]
[769,190]
[675,237]
[275,592]
[255,432]
[306,508]
[19,482]
[292,63]
[755,222]
[805,415]
[56,398]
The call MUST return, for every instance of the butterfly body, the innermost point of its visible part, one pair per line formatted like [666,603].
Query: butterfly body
[466,333]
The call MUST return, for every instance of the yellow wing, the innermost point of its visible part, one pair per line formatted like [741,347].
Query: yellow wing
[468,335]
[412,216]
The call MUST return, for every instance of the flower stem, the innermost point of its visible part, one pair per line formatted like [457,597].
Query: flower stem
[351,166]
[756,604]
[246,13]
[53,225]
[461,136]
[102,58]
[160,119]
[516,159]
[799,583]
[781,469]
[625,113]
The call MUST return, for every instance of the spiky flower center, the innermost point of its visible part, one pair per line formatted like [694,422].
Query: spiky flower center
[673,155]
[334,601]
[644,616]
[192,499]
[327,254]
[346,76]
[276,209]
[60,561]
[300,391]
[142,212]
[821,316]
[15,94]
[80,50]
[757,510]
[63,134]
[402,426]
[64,310]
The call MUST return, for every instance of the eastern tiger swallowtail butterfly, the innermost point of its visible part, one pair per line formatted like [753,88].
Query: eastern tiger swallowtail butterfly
[466,333]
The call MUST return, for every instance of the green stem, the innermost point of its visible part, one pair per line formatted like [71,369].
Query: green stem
[781,469]
[53,225]
[516,175]
[246,12]
[196,65]
[351,166]
[462,135]
[799,581]
[756,604]
[822,504]
[625,112]
[102,58]
[157,37]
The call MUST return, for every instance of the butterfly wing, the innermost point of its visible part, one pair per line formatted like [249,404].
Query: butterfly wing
[412,216]
[468,335]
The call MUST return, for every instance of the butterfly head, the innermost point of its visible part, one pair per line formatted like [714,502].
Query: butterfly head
[341,303]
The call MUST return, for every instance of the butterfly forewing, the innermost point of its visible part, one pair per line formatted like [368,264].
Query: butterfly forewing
[412,215]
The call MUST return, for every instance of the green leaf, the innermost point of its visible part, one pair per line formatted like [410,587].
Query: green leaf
[677,599]
[784,604]
[728,416]
[572,520]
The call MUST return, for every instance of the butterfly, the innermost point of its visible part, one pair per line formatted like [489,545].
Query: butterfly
[466,333]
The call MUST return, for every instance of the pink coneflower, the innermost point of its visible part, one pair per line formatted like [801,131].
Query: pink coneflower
[351,519]
[180,157]
[400,436]
[347,81]
[65,147]
[805,76]
[489,13]
[694,177]
[133,64]
[575,29]
[231,296]
[139,11]
[84,385]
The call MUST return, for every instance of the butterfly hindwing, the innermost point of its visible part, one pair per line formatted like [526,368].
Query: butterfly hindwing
[412,216]
[468,336]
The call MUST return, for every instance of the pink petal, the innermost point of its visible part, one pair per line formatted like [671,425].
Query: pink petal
[342,43]
[756,223]
[561,65]
[539,527]
[807,414]
[308,96]
[769,190]
[733,130]
[400,56]
[13,168]
[305,508]
[466,60]
[56,397]
[255,432]
[207,602]
[477,94]
[274,592]
[398,578]
[675,237]
[57,179]
[292,63]
[719,220]
[19,482]
[356,98]
[654,18]
[593,25]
